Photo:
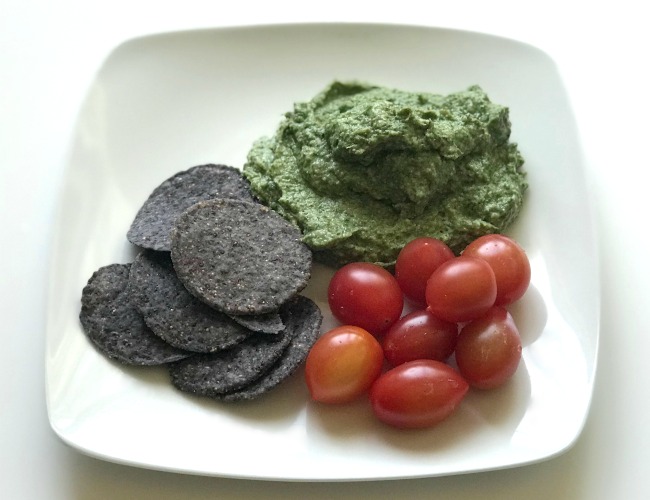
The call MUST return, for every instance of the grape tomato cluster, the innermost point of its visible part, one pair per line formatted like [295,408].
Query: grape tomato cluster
[403,362]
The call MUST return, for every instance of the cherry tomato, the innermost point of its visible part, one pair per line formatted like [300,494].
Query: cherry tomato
[365,295]
[343,364]
[488,349]
[417,394]
[419,335]
[416,262]
[461,289]
[508,261]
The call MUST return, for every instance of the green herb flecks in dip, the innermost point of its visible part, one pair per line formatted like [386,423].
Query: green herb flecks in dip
[363,169]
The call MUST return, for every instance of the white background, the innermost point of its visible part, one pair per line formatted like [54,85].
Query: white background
[49,53]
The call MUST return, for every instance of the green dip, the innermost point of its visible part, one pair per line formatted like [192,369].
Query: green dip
[362,170]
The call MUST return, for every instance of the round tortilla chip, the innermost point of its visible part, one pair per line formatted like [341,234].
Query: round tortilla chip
[239,257]
[303,320]
[174,314]
[154,221]
[231,369]
[113,324]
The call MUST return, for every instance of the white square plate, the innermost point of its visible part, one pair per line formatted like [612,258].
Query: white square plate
[163,103]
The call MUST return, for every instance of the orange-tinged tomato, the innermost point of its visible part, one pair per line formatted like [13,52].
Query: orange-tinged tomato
[343,364]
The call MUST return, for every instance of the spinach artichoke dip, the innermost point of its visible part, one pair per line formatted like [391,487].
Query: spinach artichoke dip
[363,169]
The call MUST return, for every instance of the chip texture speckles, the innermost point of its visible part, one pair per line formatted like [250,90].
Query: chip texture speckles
[239,257]
[173,313]
[113,324]
[229,370]
[303,320]
[153,222]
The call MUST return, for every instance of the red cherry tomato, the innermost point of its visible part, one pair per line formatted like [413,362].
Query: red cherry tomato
[365,295]
[488,349]
[417,394]
[343,364]
[419,335]
[461,289]
[508,261]
[416,262]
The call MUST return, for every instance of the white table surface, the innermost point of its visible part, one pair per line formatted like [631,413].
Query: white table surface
[49,53]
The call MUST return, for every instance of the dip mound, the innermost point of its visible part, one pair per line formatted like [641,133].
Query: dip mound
[363,169]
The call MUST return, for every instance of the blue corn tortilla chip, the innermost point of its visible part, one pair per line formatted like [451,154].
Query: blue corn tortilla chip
[262,323]
[231,369]
[303,321]
[173,313]
[239,257]
[153,223]
[113,324]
